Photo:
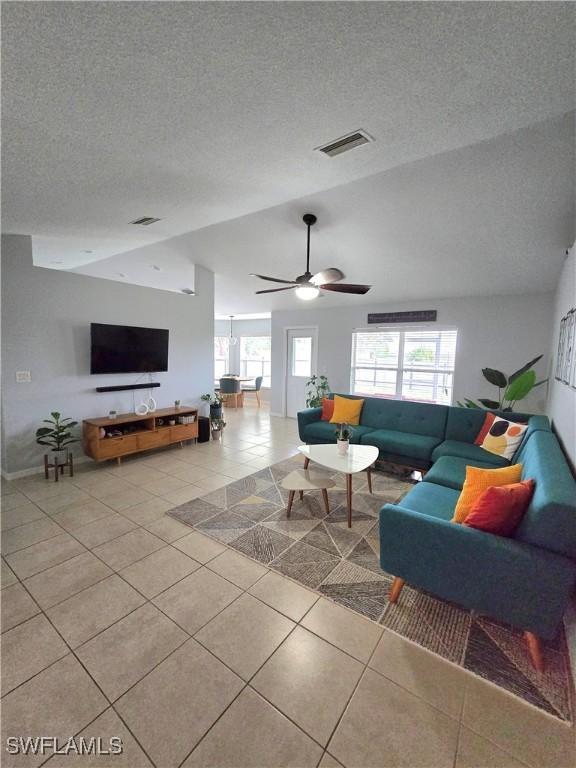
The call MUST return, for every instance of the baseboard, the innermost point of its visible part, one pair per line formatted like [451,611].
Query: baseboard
[37,470]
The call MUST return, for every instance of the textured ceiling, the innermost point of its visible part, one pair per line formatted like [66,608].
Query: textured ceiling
[199,113]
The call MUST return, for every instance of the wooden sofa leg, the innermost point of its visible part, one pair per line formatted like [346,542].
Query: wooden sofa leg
[535,650]
[395,589]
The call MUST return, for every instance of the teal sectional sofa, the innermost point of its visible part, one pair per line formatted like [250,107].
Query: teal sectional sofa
[525,581]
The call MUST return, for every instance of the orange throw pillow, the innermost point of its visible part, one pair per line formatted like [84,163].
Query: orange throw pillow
[477,481]
[500,509]
[327,409]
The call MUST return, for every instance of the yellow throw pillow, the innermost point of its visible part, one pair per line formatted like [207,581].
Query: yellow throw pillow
[477,481]
[346,411]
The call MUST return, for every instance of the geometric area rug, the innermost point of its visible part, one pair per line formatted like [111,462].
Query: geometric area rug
[320,552]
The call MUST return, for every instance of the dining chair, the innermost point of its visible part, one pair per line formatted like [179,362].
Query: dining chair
[230,388]
[256,388]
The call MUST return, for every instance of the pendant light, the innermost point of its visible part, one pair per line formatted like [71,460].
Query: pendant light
[232,340]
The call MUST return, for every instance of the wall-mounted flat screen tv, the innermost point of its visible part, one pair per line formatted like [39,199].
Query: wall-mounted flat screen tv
[127,349]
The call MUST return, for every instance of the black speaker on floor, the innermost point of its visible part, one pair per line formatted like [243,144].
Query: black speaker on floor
[203,429]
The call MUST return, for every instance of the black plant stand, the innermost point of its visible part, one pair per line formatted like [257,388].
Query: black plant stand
[58,468]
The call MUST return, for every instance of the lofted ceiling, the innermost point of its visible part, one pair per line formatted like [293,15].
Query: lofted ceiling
[206,115]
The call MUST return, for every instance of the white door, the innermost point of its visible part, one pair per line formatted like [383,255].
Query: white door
[300,362]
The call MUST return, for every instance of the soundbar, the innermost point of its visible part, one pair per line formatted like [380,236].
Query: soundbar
[122,387]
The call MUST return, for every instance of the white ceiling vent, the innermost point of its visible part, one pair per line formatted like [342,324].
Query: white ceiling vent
[145,221]
[343,144]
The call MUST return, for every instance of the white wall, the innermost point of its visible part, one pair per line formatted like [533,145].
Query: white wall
[46,318]
[561,406]
[501,332]
[261,327]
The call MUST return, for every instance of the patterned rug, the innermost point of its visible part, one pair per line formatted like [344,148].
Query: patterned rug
[320,552]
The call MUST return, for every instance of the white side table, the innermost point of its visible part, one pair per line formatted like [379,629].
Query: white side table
[303,480]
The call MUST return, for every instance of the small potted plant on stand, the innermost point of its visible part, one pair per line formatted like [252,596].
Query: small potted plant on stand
[217,426]
[343,435]
[215,402]
[58,437]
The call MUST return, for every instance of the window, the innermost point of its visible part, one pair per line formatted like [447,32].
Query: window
[255,358]
[404,364]
[302,356]
[221,356]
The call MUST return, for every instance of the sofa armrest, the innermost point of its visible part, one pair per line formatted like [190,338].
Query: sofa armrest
[308,416]
[508,580]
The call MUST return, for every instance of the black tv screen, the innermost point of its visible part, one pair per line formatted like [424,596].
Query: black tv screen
[127,349]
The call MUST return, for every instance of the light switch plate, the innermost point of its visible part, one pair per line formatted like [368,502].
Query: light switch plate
[23,377]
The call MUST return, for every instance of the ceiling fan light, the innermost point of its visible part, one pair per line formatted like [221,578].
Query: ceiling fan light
[307,292]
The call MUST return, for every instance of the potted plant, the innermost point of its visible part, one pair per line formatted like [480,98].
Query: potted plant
[317,388]
[177,404]
[57,436]
[512,388]
[217,425]
[215,402]
[343,435]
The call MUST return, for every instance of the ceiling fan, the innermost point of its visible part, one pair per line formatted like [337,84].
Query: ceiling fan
[308,286]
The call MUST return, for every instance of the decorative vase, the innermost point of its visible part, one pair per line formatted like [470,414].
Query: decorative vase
[60,457]
[215,412]
[216,433]
[343,446]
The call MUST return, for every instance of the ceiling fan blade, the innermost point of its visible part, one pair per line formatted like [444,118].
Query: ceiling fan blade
[346,288]
[331,275]
[273,279]
[275,290]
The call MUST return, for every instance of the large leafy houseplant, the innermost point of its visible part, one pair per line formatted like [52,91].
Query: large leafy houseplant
[512,388]
[58,436]
[317,388]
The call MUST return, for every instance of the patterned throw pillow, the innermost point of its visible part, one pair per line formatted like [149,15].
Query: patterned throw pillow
[502,437]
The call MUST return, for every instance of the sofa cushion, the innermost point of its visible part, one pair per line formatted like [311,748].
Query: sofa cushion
[550,520]
[468,451]
[401,443]
[464,424]
[404,416]
[431,500]
[325,432]
[451,471]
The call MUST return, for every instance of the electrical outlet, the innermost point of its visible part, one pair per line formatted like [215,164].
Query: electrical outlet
[23,377]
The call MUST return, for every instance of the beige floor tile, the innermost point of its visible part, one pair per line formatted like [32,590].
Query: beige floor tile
[137,473]
[37,487]
[528,734]
[158,571]
[477,752]
[423,673]
[253,734]
[128,548]
[31,533]
[15,499]
[17,606]
[125,652]
[329,762]
[200,547]
[110,486]
[83,615]
[195,600]
[245,634]
[168,529]
[349,631]
[166,461]
[310,681]
[148,511]
[66,579]
[81,513]
[59,702]
[8,577]
[104,530]
[191,474]
[106,727]
[166,485]
[182,495]
[235,471]
[127,498]
[284,595]
[44,555]
[238,569]
[88,479]
[56,503]
[28,649]
[172,707]
[214,481]
[26,513]
[259,463]
[383,719]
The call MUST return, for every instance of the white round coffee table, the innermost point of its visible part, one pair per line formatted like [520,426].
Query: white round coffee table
[357,459]
[304,480]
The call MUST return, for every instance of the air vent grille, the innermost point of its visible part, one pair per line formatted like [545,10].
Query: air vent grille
[345,143]
[145,221]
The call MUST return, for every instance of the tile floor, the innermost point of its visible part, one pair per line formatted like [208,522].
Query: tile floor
[119,621]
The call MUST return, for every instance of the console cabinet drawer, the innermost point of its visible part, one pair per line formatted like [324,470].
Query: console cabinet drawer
[117,446]
[183,432]
[153,439]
